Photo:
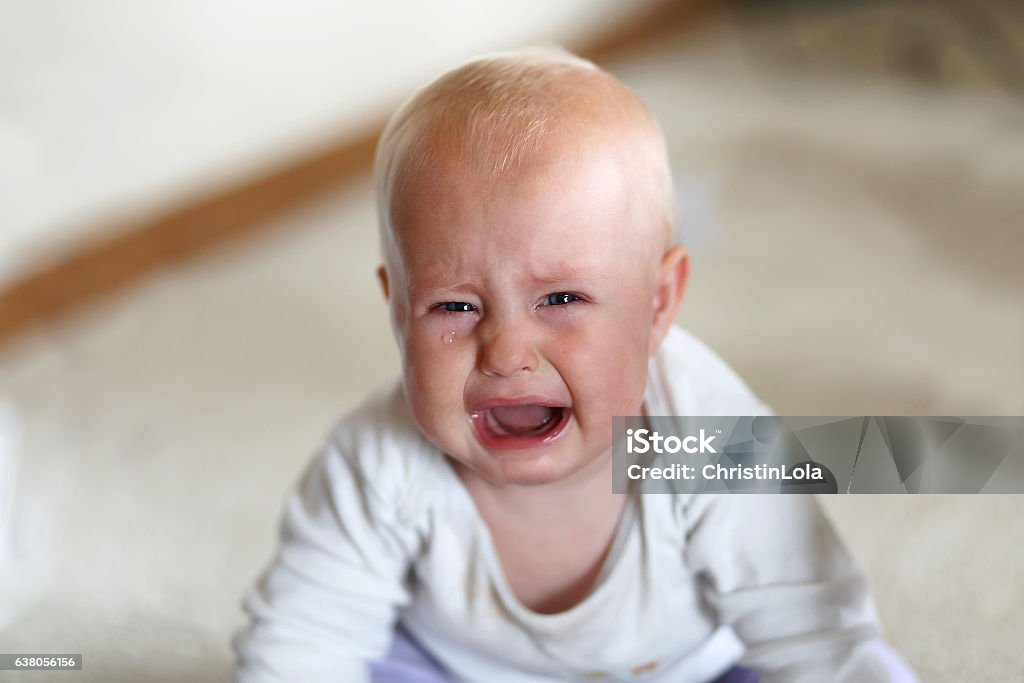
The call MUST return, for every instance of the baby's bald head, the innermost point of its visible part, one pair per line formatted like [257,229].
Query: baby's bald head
[499,114]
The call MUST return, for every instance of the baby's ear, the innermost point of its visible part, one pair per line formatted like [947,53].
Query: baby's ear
[382,275]
[673,273]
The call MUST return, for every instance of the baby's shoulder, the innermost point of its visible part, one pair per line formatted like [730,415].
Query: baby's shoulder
[379,446]
[688,378]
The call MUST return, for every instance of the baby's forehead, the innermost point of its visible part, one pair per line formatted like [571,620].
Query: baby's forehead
[569,212]
[521,255]
[574,186]
[598,159]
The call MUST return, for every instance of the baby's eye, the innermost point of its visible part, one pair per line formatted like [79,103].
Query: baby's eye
[560,299]
[457,307]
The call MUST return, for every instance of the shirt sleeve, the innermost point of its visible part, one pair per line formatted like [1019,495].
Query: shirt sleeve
[776,572]
[327,604]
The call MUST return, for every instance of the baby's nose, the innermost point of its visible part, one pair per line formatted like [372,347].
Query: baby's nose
[507,349]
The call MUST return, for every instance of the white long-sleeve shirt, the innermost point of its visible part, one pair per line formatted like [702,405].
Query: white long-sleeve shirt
[380,528]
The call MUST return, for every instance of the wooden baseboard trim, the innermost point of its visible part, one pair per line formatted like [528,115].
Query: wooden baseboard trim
[136,250]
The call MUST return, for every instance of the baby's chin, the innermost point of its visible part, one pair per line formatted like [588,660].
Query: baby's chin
[533,467]
[518,469]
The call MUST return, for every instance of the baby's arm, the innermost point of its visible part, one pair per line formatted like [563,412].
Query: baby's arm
[327,604]
[778,574]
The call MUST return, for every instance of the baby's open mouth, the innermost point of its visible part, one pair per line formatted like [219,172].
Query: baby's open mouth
[519,426]
[521,420]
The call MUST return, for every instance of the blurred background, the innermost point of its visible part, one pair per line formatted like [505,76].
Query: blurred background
[187,298]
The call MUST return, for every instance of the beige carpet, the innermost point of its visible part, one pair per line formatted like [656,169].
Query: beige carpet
[857,238]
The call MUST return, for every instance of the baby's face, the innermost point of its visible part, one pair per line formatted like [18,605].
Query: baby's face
[526,310]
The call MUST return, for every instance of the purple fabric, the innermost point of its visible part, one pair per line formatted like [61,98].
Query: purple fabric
[408,663]
[738,674]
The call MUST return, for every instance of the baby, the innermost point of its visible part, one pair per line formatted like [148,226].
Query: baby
[464,517]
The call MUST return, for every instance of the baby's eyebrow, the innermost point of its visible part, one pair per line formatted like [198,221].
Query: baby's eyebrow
[439,287]
[569,274]
[431,287]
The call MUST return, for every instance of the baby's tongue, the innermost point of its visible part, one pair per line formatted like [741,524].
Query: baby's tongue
[519,419]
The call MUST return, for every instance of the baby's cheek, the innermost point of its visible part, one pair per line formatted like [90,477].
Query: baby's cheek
[626,389]
[447,327]
[423,382]
[436,369]
[612,373]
